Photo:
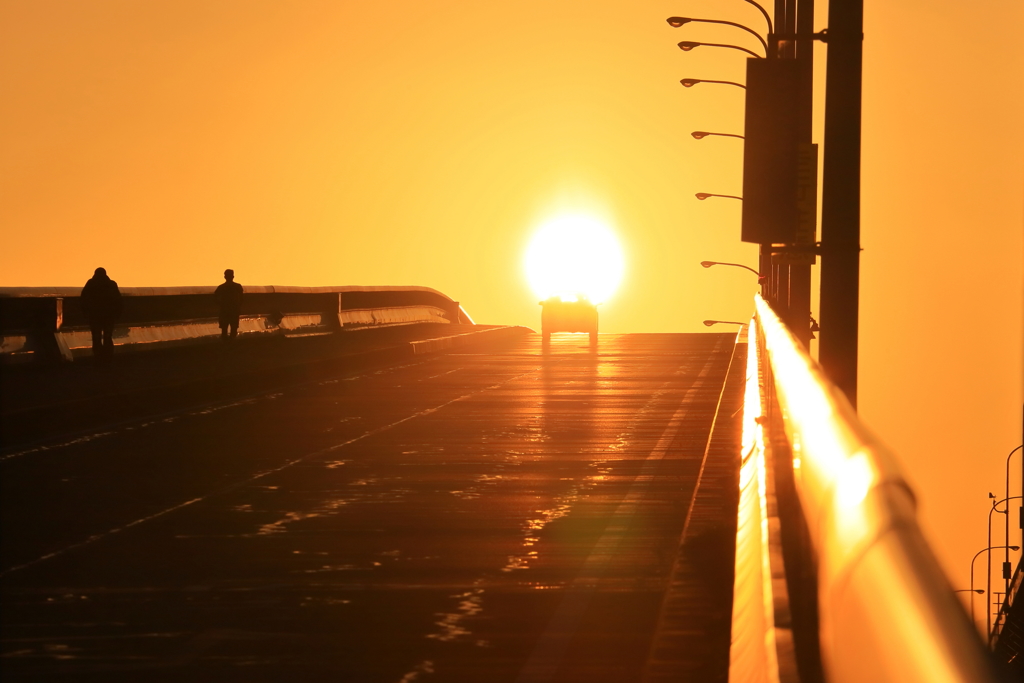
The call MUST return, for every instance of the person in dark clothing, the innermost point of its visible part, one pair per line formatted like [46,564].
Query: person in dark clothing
[229,301]
[101,302]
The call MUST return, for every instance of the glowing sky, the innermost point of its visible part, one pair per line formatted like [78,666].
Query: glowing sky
[323,142]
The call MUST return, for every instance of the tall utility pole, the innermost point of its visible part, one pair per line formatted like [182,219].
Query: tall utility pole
[779,268]
[807,195]
[840,208]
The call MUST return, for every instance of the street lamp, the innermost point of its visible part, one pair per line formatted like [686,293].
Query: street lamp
[709,323]
[764,13]
[708,264]
[1006,539]
[676,22]
[688,45]
[701,134]
[704,195]
[690,82]
[988,549]
[979,591]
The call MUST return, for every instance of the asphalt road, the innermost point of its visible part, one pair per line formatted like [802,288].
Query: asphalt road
[514,513]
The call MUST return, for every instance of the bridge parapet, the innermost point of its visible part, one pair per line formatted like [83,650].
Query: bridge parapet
[45,321]
[885,609]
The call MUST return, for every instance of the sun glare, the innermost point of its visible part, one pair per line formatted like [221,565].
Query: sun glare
[574,255]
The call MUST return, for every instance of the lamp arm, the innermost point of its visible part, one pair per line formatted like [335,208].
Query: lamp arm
[764,13]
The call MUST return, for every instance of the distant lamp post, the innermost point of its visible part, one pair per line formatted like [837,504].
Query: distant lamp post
[676,22]
[709,323]
[690,82]
[704,195]
[1007,575]
[995,508]
[973,559]
[701,134]
[979,591]
[708,264]
[688,45]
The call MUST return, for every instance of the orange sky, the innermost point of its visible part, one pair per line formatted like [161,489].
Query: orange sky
[316,143]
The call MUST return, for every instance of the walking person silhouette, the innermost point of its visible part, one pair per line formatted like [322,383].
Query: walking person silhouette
[101,302]
[229,301]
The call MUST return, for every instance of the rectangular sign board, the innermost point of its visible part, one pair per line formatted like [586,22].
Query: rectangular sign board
[806,206]
[770,157]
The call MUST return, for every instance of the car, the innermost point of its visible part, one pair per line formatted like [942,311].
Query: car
[568,316]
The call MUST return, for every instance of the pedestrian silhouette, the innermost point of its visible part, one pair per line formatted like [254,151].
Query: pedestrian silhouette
[101,301]
[229,301]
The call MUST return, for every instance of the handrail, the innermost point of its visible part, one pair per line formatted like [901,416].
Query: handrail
[887,612]
[46,323]
[34,306]
[69,292]
[762,647]
[1009,605]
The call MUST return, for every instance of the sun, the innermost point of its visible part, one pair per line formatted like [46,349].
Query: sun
[573,255]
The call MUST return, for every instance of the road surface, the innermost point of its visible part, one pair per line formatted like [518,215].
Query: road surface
[517,513]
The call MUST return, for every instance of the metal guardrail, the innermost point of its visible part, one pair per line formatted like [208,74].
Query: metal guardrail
[762,649]
[886,611]
[1007,637]
[49,322]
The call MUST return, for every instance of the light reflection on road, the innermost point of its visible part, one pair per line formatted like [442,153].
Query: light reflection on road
[419,506]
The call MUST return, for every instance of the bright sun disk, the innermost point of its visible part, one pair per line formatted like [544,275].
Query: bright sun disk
[573,255]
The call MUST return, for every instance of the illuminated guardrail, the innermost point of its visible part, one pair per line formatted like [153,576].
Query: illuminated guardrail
[886,611]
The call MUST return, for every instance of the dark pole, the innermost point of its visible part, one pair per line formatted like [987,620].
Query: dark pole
[1007,568]
[800,273]
[782,23]
[780,271]
[764,266]
[840,209]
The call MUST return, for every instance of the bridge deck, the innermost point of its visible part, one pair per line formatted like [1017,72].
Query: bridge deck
[502,514]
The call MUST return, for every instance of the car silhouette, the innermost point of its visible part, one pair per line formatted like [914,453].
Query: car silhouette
[568,316]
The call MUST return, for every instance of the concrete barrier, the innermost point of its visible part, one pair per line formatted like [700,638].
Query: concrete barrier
[46,323]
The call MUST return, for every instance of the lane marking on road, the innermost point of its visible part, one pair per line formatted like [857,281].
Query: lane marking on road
[96,537]
[323,451]
[550,649]
[707,449]
[662,630]
[120,426]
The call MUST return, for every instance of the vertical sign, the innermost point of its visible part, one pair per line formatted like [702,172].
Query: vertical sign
[771,133]
[806,206]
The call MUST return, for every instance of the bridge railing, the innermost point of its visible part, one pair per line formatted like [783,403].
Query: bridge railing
[885,609]
[49,321]
[1006,644]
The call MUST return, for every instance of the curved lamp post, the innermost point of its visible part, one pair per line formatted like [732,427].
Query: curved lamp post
[709,323]
[688,45]
[701,134]
[690,82]
[764,13]
[983,550]
[676,22]
[979,591]
[708,264]
[704,195]
[1006,539]
[1006,558]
